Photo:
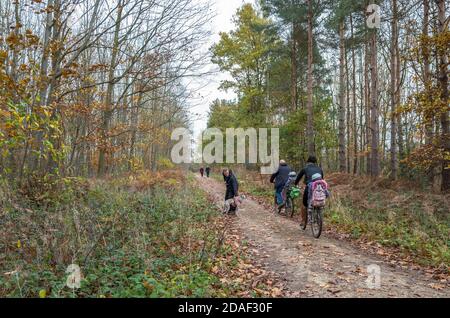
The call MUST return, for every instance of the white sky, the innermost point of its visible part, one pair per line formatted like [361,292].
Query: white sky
[222,22]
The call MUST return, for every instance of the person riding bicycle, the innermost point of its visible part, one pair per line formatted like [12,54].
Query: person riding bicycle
[291,179]
[290,192]
[279,178]
[289,184]
[308,171]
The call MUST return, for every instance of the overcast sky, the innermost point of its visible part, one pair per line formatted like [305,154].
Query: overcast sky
[222,22]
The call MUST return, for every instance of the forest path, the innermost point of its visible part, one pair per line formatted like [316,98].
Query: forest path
[322,267]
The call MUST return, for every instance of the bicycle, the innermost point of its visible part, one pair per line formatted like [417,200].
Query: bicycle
[314,216]
[291,193]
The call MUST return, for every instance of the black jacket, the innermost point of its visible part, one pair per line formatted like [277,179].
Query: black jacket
[308,171]
[281,176]
[232,186]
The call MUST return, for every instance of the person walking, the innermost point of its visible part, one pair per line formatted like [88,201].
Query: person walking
[232,189]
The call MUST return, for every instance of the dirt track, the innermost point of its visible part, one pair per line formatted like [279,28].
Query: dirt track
[319,267]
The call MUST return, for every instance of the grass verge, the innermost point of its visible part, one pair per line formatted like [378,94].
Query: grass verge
[129,237]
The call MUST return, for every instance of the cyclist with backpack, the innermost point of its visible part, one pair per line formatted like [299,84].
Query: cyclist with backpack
[308,172]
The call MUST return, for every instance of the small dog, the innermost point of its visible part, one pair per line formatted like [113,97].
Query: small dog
[231,205]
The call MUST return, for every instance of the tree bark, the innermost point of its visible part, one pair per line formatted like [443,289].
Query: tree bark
[14,67]
[341,132]
[355,127]
[310,112]
[348,110]
[443,83]
[107,113]
[362,108]
[374,111]
[294,75]
[429,118]
[367,104]
[393,89]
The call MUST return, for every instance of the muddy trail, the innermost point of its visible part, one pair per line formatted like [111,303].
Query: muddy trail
[322,267]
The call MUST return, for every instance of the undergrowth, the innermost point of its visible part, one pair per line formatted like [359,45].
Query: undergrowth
[131,237]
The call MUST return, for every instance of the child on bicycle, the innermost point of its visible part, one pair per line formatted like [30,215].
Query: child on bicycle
[289,184]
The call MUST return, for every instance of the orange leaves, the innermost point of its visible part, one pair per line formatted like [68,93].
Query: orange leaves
[69,72]
[23,67]
[146,179]
[3,56]
[425,157]
[97,67]
[19,41]
[78,109]
[55,46]
[4,113]
[32,39]
[13,40]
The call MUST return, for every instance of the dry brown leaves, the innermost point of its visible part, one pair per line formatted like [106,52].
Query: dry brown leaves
[238,266]
[147,179]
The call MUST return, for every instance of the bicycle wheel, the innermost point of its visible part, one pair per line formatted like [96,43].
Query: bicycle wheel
[303,227]
[287,206]
[290,207]
[316,222]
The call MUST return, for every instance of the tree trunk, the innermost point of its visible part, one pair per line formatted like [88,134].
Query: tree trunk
[294,67]
[443,83]
[348,110]
[134,127]
[107,113]
[362,80]
[310,113]
[341,133]
[429,118]
[374,111]
[355,128]
[393,90]
[14,67]
[56,68]
[367,108]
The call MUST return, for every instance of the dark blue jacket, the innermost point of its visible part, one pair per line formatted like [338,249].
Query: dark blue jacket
[281,176]
[308,171]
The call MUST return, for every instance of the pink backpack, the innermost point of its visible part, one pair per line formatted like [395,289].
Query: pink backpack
[319,193]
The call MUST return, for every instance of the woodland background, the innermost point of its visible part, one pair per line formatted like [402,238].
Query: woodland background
[365,101]
[90,91]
